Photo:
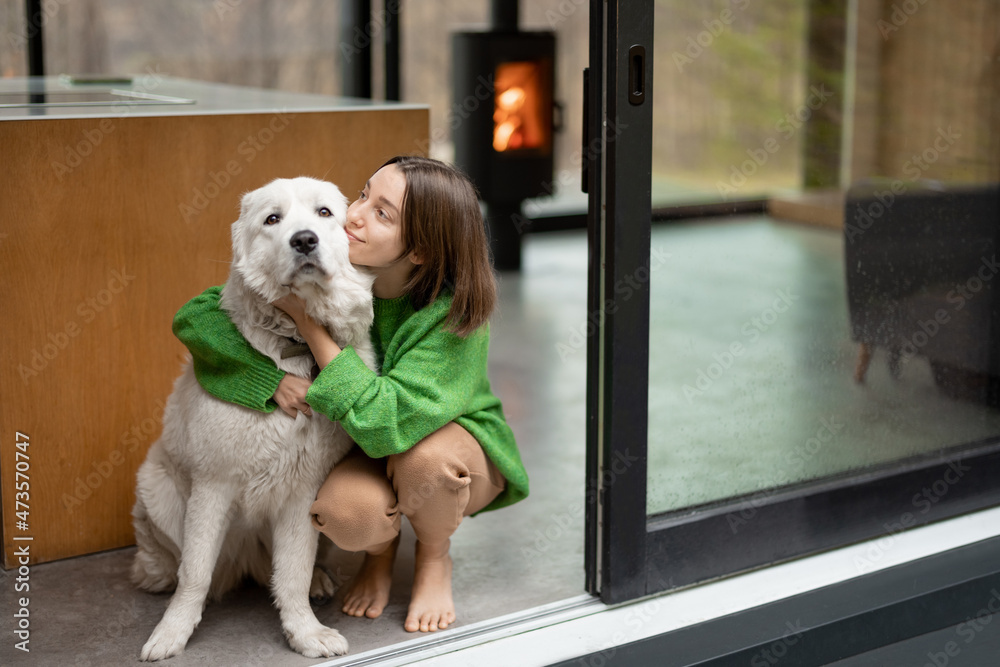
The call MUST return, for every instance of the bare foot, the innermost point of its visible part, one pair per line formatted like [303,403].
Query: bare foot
[369,593]
[431,605]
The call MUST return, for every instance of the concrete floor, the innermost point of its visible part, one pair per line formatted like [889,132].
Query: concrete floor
[84,611]
[736,437]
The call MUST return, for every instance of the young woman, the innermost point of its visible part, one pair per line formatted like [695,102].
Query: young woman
[433,444]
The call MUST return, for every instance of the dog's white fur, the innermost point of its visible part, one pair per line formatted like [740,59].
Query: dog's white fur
[228,489]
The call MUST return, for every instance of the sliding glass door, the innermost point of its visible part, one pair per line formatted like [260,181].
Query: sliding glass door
[821,371]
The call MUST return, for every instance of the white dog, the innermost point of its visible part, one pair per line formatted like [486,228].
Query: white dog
[226,489]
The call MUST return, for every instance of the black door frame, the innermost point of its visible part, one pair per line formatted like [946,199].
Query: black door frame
[618,181]
[630,554]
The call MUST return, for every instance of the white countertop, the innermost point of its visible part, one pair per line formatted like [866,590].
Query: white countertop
[52,97]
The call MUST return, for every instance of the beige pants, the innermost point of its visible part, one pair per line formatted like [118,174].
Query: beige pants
[443,478]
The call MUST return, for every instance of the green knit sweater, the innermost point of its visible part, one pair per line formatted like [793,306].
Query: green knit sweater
[429,377]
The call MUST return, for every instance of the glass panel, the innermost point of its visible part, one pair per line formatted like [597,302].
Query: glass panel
[258,43]
[726,75]
[855,324]
[13,49]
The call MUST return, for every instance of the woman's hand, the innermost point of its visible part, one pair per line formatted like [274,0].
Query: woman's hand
[322,346]
[291,396]
[293,305]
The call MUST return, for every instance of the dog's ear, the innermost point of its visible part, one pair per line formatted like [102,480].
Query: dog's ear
[248,203]
[340,202]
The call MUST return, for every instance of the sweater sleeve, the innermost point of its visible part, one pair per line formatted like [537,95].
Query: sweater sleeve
[226,365]
[429,384]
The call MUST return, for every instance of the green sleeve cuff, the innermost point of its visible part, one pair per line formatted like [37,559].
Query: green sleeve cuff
[255,388]
[340,385]
[225,364]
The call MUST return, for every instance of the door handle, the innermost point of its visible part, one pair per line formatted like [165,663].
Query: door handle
[636,74]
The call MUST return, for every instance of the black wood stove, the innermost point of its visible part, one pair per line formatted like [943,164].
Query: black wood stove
[503,87]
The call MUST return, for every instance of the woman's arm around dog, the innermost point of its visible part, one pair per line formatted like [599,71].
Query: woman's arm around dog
[226,365]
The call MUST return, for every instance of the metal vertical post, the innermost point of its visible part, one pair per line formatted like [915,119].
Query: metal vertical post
[392,84]
[34,28]
[356,47]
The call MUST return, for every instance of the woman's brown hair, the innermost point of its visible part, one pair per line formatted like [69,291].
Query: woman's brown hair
[443,224]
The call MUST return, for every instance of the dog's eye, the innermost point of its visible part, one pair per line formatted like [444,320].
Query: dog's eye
[273,219]
[324,212]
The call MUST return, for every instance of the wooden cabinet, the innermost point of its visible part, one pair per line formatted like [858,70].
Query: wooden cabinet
[109,222]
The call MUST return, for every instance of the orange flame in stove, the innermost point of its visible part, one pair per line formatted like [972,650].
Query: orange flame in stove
[517,111]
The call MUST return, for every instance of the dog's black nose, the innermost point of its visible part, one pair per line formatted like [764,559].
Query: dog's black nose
[304,242]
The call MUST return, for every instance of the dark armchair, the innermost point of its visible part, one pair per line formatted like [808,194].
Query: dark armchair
[923,279]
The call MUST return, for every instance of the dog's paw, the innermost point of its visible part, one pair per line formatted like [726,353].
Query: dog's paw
[163,644]
[322,642]
[321,589]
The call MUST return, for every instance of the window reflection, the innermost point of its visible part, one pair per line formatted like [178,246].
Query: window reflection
[856,325]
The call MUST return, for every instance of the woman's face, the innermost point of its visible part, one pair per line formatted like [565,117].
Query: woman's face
[374,220]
